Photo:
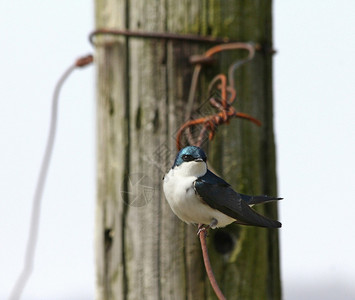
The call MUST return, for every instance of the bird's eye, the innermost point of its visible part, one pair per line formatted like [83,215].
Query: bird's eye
[187,157]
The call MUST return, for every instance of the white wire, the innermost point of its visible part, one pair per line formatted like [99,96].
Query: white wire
[37,198]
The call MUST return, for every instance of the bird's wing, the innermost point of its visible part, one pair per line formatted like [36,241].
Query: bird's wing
[219,195]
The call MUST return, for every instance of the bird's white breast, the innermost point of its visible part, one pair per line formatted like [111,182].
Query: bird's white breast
[184,201]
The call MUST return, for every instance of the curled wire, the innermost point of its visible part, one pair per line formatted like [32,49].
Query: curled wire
[223,105]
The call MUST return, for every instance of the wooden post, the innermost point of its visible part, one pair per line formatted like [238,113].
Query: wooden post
[142,250]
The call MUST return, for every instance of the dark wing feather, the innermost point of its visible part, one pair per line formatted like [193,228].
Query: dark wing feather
[252,200]
[219,195]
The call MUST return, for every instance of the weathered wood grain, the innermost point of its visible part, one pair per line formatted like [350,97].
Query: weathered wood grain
[142,250]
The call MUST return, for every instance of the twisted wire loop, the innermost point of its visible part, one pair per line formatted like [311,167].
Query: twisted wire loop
[223,103]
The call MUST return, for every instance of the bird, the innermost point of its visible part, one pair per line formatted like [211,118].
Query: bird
[198,196]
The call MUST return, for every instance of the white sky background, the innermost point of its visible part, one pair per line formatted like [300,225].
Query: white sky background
[314,102]
[314,118]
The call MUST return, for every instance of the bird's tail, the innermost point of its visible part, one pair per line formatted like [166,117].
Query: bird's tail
[252,200]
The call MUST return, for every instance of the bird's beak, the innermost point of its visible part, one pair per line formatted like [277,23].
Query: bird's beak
[198,159]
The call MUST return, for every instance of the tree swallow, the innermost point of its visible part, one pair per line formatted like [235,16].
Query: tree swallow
[198,196]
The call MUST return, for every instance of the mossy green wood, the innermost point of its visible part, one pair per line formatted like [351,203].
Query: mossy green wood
[142,250]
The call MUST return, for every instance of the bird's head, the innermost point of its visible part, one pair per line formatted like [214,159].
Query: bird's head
[193,157]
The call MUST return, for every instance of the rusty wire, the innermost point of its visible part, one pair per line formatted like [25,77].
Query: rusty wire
[224,104]
[157,35]
[206,260]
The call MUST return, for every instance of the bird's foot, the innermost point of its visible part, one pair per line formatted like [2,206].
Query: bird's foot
[202,227]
